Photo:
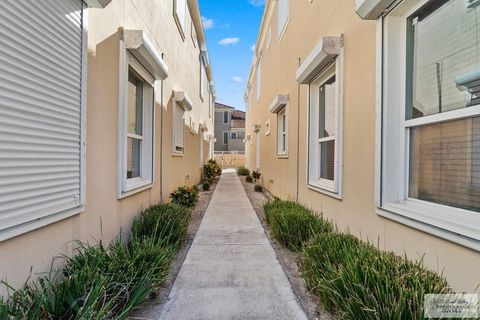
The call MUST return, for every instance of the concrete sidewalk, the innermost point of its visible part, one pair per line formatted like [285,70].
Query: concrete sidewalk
[231,270]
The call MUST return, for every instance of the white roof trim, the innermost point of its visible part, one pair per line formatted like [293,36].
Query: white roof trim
[137,42]
[371,9]
[97,3]
[183,100]
[324,52]
[279,102]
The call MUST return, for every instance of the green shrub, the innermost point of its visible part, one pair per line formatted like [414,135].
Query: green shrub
[206,186]
[249,179]
[361,282]
[258,188]
[292,224]
[256,175]
[3,309]
[166,223]
[211,170]
[185,196]
[242,171]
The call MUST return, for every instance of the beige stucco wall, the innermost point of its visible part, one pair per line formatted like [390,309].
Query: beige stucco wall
[104,215]
[309,21]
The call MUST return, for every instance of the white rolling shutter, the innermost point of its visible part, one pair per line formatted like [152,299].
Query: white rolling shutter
[40,110]
[178,129]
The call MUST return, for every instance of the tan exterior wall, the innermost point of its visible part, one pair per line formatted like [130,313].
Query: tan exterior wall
[104,215]
[309,21]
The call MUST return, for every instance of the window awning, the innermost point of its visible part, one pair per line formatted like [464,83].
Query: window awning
[371,9]
[183,100]
[279,102]
[97,3]
[137,42]
[324,52]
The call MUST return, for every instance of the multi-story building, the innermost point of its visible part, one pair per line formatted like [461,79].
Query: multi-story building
[229,128]
[368,111]
[103,112]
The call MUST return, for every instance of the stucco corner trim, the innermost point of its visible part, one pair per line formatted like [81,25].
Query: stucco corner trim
[142,48]
[279,102]
[183,100]
[371,9]
[97,3]
[326,50]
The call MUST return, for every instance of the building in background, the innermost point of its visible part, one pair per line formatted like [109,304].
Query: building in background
[104,119]
[229,129]
[368,111]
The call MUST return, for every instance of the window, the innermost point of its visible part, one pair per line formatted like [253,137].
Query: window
[225,116]
[283,16]
[259,79]
[137,135]
[178,129]
[42,143]
[282,138]
[432,125]
[202,78]
[234,135]
[225,137]
[323,144]
[193,35]
[180,15]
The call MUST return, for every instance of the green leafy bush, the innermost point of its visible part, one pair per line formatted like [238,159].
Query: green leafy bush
[211,170]
[206,186]
[361,282]
[256,175]
[249,179]
[242,171]
[258,188]
[185,196]
[166,223]
[292,224]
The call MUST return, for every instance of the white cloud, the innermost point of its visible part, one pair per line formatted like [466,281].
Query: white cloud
[237,79]
[228,41]
[257,3]
[252,47]
[207,23]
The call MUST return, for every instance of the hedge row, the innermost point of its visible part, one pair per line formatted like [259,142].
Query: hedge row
[351,277]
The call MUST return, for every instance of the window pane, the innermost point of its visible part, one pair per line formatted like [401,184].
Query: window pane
[225,117]
[225,138]
[135,104]
[326,114]
[283,143]
[327,160]
[445,163]
[133,158]
[443,49]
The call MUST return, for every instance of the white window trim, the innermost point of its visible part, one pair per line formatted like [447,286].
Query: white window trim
[181,25]
[282,29]
[127,187]
[309,72]
[453,224]
[228,117]
[202,78]
[228,134]
[283,111]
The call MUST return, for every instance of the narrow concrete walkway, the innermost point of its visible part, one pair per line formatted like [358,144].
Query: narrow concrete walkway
[231,270]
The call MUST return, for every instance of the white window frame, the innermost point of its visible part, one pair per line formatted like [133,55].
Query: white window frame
[392,152]
[129,186]
[329,187]
[228,117]
[282,25]
[282,131]
[258,79]
[193,34]
[180,19]
[202,78]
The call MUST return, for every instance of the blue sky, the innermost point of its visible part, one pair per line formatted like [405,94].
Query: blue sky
[231,27]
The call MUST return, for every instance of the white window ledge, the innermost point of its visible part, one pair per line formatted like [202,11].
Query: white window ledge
[278,103]
[140,46]
[371,9]
[136,189]
[183,100]
[324,191]
[327,49]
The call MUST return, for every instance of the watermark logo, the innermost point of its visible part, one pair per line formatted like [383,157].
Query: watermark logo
[453,306]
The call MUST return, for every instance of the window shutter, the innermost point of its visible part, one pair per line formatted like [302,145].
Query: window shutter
[40,109]
[179,132]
